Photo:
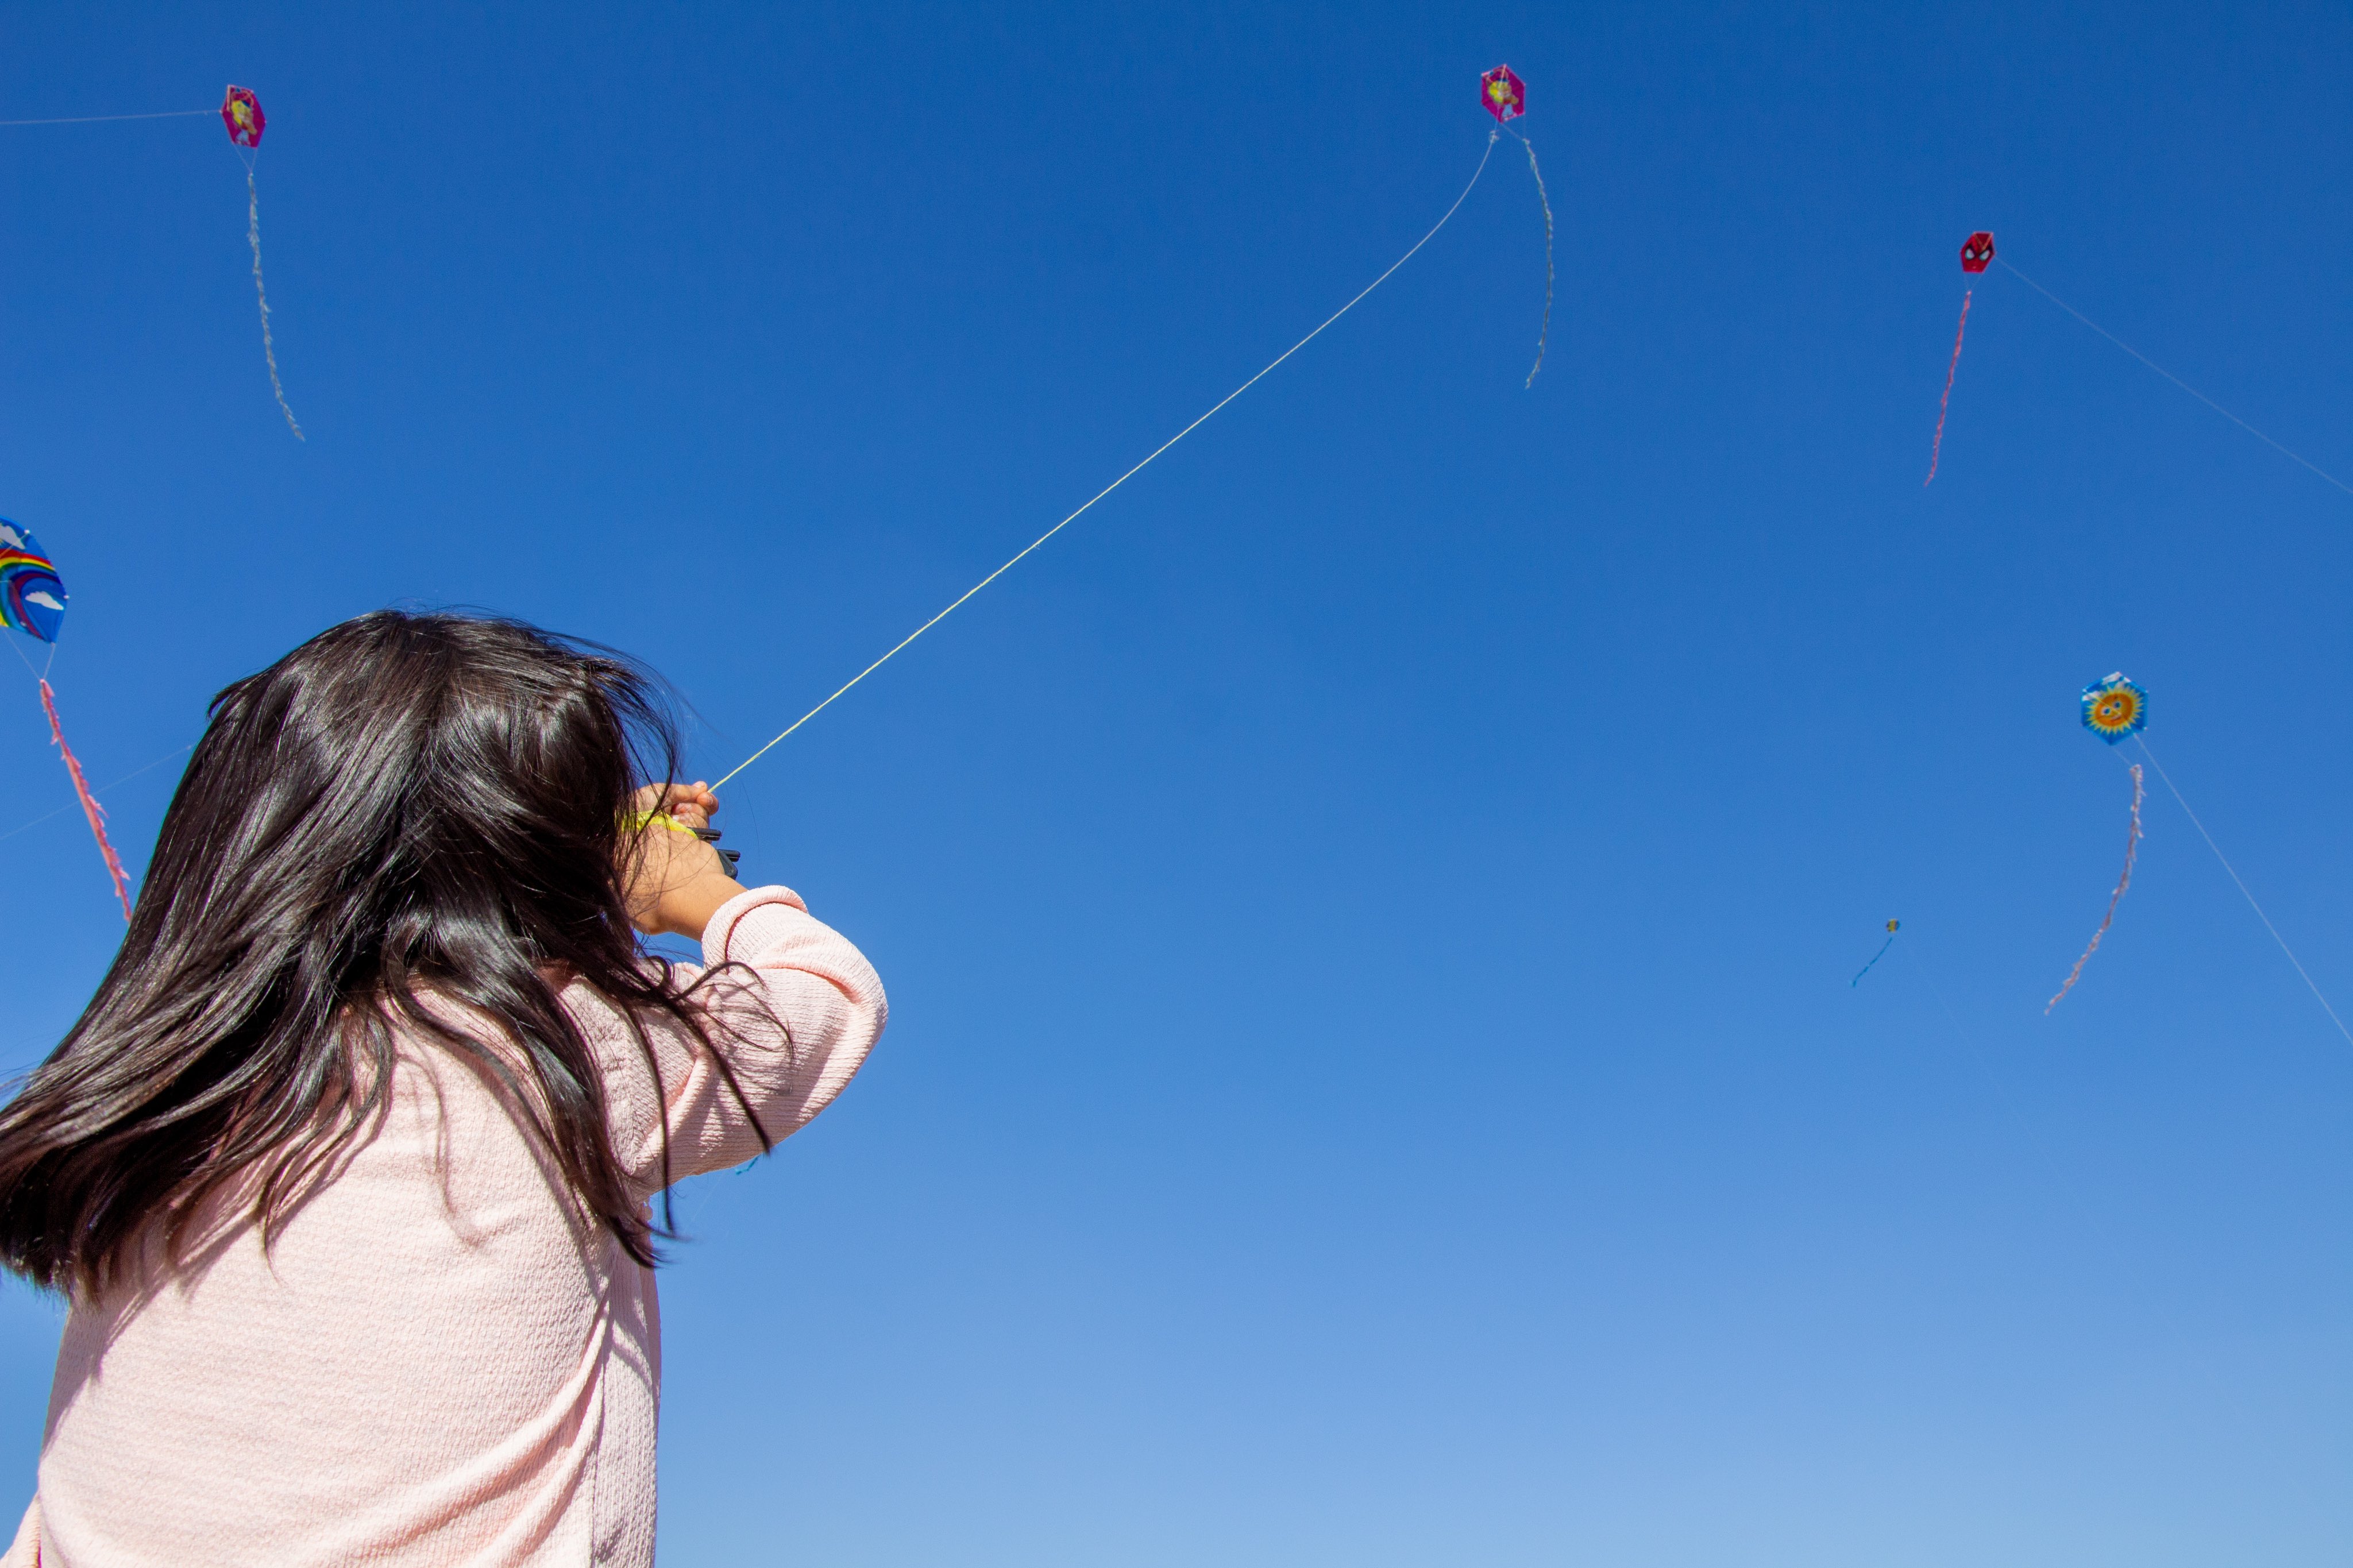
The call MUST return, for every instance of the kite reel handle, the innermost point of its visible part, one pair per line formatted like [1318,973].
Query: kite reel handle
[645,819]
[733,857]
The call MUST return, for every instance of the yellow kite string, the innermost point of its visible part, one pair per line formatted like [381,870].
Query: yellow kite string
[1131,473]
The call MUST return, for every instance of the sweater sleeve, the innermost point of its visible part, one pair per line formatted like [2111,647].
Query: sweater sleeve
[792,1010]
[25,1552]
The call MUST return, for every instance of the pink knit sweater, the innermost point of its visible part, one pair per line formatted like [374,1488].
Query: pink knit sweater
[434,1364]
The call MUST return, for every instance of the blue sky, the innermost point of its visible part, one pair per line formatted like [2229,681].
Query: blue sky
[1368,911]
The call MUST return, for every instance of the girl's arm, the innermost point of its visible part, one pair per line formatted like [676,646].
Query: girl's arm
[791,1007]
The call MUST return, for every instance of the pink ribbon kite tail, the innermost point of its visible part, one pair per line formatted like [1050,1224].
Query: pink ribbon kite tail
[1937,450]
[89,807]
[2131,847]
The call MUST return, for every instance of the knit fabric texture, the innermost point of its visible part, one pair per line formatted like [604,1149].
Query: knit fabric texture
[437,1363]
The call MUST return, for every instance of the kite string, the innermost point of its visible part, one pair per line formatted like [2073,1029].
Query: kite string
[1544,330]
[100,119]
[1934,450]
[32,823]
[89,807]
[2131,847]
[41,674]
[2177,381]
[2250,897]
[269,350]
[1131,473]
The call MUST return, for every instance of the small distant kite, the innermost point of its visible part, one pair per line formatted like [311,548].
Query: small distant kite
[33,600]
[1505,97]
[1976,255]
[240,114]
[2114,709]
[1892,926]
[240,110]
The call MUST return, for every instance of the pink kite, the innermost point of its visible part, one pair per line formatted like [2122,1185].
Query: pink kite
[1505,97]
[1504,93]
[241,113]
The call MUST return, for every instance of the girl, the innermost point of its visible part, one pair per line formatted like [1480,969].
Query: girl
[345,1172]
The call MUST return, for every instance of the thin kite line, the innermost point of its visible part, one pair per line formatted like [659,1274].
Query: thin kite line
[149,767]
[2243,890]
[101,119]
[1954,1018]
[2177,381]
[1131,473]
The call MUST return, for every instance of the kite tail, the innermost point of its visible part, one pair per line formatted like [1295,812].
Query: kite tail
[1544,330]
[2131,847]
[269,350]
[1946,402]
[1874,958]
[89,807]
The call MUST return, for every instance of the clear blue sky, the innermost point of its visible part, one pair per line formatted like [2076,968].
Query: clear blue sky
[1368,912]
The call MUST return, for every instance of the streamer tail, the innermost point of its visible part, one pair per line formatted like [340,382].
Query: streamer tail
[1874,958]
[89,807]
[1544,332]
[268,348]
[1936,449]
[2131,847]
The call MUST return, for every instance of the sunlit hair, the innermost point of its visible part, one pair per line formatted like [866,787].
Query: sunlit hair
[406,808]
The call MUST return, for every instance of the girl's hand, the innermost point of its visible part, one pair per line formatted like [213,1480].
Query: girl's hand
[691,804]
[674,881]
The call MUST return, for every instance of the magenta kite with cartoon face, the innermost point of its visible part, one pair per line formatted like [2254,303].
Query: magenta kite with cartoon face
[1504,93]
[241,113]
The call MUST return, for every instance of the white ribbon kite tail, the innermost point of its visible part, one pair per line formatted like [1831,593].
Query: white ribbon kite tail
[268,348]
[1544,330]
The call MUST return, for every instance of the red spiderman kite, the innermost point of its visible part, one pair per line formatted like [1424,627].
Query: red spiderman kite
[1976,255]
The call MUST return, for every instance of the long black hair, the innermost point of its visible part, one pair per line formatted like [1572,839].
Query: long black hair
[406,806]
